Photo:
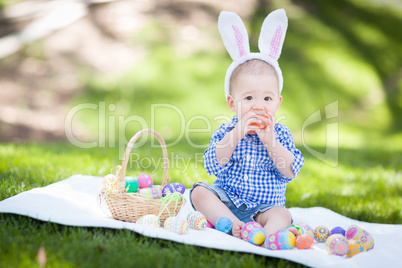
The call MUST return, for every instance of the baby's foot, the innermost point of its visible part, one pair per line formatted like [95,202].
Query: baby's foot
[294,231]
[236,229]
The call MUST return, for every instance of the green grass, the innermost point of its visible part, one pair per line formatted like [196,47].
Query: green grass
[366,185]
[94,247]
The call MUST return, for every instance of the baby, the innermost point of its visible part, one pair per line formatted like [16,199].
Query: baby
[252,164]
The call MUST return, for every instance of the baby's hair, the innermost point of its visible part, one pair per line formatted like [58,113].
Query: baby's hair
[253,67]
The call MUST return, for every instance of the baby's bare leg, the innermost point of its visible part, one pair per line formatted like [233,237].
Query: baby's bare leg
[213,208]
[275,219]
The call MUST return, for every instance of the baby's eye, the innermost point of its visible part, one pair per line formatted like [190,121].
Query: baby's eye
[248,98]
[267,98]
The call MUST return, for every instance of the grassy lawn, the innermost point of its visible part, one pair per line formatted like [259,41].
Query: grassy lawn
[366,186]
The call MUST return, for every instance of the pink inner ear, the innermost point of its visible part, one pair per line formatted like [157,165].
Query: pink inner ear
[239,39]
[276,44]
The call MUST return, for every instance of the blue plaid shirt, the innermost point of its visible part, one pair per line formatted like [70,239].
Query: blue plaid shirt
[251,177]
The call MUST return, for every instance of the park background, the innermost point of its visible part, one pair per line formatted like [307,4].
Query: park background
[71,98]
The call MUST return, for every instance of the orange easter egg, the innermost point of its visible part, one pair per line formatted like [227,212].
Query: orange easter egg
[263,124]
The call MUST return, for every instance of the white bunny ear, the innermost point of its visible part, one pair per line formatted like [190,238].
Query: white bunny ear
[234,34]
[273,33]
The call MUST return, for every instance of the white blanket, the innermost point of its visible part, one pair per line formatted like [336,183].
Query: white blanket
[74,201]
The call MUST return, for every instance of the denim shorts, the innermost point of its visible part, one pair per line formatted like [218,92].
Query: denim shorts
[242,213]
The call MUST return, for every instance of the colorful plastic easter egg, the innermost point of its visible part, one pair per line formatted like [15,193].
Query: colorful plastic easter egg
[196,220]
[282,239]
[176,225]
[356,233]
[110,182]
[337,230]
[310,233]
[253,233]
[131,184]
[210,225]
[305,227]
[264,121]
[144,180]
[304,241]
[297,227]
[337,244]
[355,247]
[173,187]
[150,220]
[224,224]
[321,233]
[150,193]
[353,232]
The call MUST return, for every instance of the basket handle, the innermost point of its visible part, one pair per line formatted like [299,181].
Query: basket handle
[121,183]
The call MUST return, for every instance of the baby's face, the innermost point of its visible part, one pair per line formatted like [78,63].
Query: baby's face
[256,93]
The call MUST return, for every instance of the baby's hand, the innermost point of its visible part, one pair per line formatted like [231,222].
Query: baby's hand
[248,124]
[267,135]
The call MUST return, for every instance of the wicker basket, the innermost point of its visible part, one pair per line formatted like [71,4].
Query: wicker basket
[131,206]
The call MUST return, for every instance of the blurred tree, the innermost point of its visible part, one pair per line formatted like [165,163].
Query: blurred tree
[380,44]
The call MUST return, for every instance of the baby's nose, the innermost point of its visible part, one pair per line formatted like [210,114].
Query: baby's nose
[258,106]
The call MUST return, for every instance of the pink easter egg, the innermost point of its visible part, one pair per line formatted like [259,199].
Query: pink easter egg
[253,233]
[337,244]
[210,225]
[144,180]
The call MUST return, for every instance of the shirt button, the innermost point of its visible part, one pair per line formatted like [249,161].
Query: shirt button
[246,177]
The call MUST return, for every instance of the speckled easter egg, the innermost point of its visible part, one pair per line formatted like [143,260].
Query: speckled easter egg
[153,192]
[297,227]
[176,225]
[150,220]
[264,122]
[144,180]
[224,224]
[337,244]
[173,187]
[355,247]
[282,239]
[337,230]
[131,184]
[110,182]
[321,233]
[253,233]
[304,241]
[356,233]
[196,220]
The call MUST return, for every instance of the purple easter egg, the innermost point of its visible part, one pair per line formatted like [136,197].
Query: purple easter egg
[173,187]
[337,230]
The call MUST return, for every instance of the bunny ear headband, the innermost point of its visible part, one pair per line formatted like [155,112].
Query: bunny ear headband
[235,39]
